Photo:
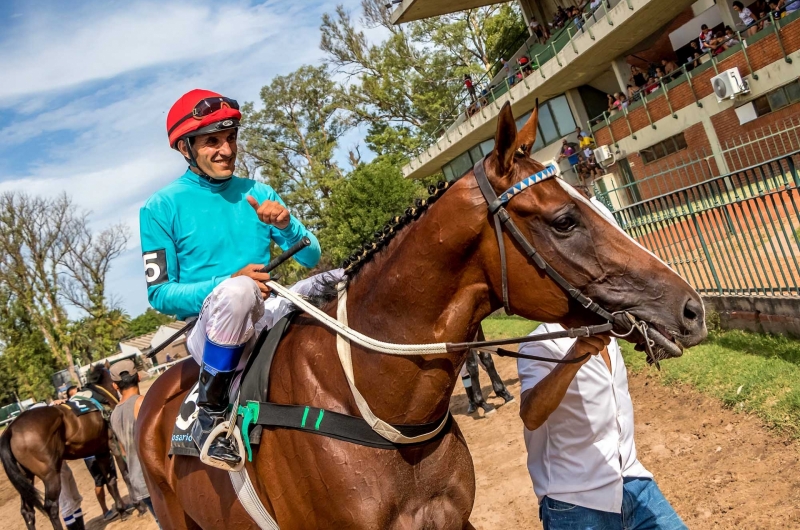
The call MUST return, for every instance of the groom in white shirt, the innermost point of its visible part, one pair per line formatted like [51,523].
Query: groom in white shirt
[579,434]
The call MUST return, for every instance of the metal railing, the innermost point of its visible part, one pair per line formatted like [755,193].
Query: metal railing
[762,144]
[733,234]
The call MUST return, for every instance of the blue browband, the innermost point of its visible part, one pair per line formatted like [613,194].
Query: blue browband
[546,173]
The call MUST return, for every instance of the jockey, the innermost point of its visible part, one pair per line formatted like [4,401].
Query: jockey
[205,236]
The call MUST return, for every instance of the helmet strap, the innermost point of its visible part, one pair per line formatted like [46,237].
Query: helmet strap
[193,163]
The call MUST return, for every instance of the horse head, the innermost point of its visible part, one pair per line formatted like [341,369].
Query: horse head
[99,382]
[587,249]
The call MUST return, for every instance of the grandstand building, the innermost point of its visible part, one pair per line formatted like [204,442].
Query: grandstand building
[674,132]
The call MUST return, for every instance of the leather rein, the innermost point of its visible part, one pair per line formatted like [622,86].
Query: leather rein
[503,221]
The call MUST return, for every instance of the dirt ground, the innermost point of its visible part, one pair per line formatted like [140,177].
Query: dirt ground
[721,470]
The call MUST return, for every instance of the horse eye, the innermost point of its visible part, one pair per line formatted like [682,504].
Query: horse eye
[564,224]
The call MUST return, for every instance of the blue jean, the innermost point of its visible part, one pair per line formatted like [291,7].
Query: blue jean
[643,508]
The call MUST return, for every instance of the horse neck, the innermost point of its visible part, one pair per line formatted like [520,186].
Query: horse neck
[428,286]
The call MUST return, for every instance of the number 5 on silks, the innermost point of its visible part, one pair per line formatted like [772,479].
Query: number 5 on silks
[155,267]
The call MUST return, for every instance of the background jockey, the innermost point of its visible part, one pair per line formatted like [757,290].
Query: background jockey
[204,238]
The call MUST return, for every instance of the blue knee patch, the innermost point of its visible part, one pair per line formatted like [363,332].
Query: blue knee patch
[221,358]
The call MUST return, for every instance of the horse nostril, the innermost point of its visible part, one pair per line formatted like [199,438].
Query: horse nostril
[692,311]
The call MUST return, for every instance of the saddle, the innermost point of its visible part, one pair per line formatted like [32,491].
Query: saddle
[254,412]
[80,405]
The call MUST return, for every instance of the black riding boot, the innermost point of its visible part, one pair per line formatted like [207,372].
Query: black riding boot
[212,404]
[471,397]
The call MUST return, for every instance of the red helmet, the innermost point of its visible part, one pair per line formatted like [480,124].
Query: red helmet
[201,112]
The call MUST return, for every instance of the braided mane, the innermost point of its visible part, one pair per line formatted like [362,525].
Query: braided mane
[381,239]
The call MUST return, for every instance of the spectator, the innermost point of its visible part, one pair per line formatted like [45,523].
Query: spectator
[585,141]
[511,76]
[637,77]
[622,100]
[652,85]
[659,73]
[669,66]
[540,30]
[705,38]
[731,39]
[632,92]
[595,4]
[470,87]
[123,422]
[567,150]
[577,17]
[559,18]
[747,18]
[524,64]
[790,6]
[615,102]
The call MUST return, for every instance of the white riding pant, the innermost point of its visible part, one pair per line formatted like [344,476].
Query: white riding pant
[69,500]
[234,313]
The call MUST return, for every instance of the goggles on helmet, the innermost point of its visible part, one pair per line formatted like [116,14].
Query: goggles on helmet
[206,107]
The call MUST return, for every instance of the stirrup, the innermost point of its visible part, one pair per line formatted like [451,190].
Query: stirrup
[223,429]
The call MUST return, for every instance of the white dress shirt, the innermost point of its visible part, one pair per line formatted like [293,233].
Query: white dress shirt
[585,448]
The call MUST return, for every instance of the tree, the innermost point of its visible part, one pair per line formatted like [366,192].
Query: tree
[26,363]
[49,256]
[147,322]
[363,203]
[290,142]
[407,84]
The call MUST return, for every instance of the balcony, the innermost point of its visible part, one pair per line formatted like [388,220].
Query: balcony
[570,60]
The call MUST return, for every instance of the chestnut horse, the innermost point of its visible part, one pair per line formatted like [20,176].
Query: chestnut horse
[433,282]
[38,441]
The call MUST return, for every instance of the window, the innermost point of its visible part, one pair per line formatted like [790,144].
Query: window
[793,91]
[663,148]
[456,168]
[555,122]
[461,164]
[562,114]
[777,99]
[547,126]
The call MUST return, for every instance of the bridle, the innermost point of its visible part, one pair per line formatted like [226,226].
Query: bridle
[503,221]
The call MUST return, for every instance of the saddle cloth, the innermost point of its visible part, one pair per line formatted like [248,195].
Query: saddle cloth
[182,442]
[80,405]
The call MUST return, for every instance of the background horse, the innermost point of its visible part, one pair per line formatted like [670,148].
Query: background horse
[433,281]
[38,441]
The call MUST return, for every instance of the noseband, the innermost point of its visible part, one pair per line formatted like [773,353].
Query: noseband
[502,220]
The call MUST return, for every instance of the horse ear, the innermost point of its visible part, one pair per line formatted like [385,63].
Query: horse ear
[527,135]
[505,140]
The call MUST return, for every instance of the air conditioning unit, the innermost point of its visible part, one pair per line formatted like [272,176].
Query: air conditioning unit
[603,154]
[728,84]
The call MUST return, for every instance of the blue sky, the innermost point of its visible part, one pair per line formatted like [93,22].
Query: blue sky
[87,85]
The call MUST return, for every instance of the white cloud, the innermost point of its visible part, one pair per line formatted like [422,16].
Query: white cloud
[101,83]
[45,56]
